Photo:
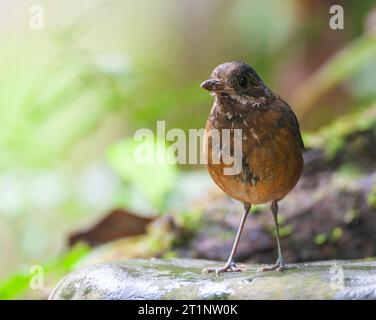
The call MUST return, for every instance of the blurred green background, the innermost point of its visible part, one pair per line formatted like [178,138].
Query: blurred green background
[73,93]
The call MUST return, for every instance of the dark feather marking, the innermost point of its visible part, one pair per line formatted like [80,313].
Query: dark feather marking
[247,176]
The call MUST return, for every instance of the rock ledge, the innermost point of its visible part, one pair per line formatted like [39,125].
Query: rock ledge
[182,279]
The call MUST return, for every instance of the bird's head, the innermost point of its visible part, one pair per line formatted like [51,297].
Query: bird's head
[239,82]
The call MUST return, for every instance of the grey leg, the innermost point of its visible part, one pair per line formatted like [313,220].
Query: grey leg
[230,264]
[274,208]
[280,265]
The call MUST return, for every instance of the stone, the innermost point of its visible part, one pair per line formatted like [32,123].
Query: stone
[182,279]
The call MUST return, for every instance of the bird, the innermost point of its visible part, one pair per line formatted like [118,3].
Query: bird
[271,159]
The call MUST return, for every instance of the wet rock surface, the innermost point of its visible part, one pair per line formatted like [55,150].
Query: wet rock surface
[182,279]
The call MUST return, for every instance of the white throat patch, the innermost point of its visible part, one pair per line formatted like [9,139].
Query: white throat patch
[240,99]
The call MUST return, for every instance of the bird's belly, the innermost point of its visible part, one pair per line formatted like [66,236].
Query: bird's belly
[276,165]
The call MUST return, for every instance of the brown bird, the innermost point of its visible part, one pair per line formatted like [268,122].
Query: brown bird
[271,145]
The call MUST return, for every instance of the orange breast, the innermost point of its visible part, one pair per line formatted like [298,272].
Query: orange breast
[274,156]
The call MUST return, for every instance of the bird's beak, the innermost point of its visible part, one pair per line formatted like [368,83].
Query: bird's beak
[213,85]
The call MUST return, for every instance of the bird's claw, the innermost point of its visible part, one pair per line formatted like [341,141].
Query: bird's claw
[278,267]
[226,268]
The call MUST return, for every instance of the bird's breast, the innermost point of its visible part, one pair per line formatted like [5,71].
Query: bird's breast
[270,152]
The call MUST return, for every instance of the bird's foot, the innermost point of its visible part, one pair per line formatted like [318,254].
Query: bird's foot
[279,266]
[228,267]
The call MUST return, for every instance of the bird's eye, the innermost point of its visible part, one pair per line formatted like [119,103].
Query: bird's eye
[243,81]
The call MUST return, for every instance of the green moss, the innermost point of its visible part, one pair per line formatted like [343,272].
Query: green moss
[350,171]
[371,199]
[189,220]
[333,137]
[169,254]
[284,231]
[281,219]
[351,215]
[158,243]
[336,233]
[258,208]
[320,239]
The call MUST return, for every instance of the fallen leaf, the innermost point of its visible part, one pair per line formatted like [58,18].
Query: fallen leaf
[118,223]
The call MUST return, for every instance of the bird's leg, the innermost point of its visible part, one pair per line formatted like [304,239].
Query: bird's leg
[280,264]
[230,264]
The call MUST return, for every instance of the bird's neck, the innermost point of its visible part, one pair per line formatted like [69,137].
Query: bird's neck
[231,107]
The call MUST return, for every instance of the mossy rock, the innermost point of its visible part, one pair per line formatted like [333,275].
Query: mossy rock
[182,279]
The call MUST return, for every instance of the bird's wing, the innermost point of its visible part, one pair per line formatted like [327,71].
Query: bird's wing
[290,116]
